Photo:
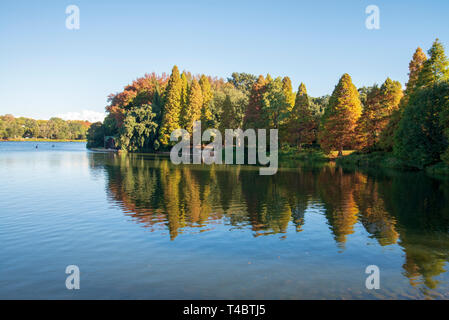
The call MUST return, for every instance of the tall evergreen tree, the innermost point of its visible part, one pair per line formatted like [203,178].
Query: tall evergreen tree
[268,78]
[172,107]
[253,114]
[380,104]
[436,68]
[444,123]
[195,104]
[420,140]
[341,116]
[302,126]
[386,140]
[288,91]
[206,112]
[415,66]
[231,104]
[227,115]
[184,100]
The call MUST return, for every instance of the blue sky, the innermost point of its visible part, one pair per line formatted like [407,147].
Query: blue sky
[48,70]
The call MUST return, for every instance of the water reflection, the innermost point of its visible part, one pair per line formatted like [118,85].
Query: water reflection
[405,209]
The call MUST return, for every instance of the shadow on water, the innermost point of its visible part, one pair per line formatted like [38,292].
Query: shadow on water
[394,208]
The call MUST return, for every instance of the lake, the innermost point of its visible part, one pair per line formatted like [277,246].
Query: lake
[139,227]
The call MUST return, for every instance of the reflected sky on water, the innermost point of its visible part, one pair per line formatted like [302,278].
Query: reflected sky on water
[139,227]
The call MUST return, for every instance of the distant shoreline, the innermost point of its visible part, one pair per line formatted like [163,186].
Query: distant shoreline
[40,140]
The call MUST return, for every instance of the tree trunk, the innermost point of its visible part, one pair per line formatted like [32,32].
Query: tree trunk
[340,153]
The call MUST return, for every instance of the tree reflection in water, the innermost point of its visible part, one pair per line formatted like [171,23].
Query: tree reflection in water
[407,209]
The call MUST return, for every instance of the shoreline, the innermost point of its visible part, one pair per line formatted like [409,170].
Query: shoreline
[41,140]
[350,158]
[386,160]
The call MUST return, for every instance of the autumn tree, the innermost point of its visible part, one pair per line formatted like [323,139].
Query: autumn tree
[340,117]
[206,112]
[288,91]
[195,104]
[302,124]
[275,104]
[172,107]
[2,129]
[253,115]
[436,69]
[379,106]
[184,100]
[415,66]
[386,139]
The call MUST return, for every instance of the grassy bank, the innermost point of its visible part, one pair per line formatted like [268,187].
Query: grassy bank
[440,169]
[388,161]
[310,154]
[41,140]
[303,155]
[374,159]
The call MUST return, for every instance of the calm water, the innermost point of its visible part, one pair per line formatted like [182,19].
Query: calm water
[139,227]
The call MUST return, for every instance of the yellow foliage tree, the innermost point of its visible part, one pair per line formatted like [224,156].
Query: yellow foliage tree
[340,117]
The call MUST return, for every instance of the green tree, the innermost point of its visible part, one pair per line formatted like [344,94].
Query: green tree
[243,81]
[275,106]
[44,130]
[232,104]
[138,132]
[363,93]
[436,68]
[172,107]
[110,126]
[95,135]
[386,140]
[340,117]
[444,123]
[12,128]
[59,129]
[419,140]
[319,104]
[31,128]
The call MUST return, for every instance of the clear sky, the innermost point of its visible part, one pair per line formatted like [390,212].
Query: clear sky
[48,70]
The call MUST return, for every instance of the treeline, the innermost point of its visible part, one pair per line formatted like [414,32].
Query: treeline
[147,111]
[413,123]
[55,128]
